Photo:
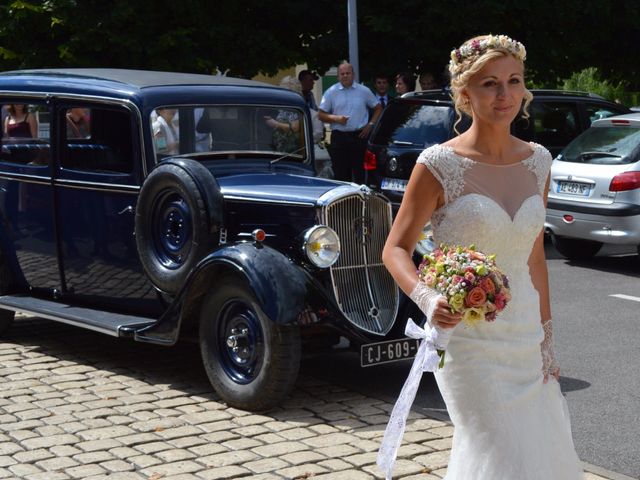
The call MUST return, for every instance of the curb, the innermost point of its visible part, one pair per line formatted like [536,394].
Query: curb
[603,472]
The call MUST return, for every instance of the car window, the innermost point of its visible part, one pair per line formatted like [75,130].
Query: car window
[25,134]
[596,112]
[555,123]
[97,139]
[413,123]
[613,145]
[179,130]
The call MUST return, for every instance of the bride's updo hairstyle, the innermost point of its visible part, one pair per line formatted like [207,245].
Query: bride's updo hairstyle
[472,56]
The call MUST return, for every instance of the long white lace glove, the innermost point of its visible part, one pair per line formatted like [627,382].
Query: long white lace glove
[549,364]
[426,298]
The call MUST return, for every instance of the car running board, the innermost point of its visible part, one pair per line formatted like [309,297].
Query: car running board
[114,324]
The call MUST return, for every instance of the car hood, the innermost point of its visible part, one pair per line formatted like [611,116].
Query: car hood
[276,187]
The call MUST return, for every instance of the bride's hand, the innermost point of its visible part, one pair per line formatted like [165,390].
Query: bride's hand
[442,316]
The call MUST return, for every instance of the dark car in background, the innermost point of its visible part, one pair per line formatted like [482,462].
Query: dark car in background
[418,120]
[155,206]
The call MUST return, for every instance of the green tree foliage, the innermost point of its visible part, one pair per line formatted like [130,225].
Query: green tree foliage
[589,80]
[247,37]
[241,38]
[560,37]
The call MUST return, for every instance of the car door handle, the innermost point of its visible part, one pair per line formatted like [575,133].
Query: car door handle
[128,209]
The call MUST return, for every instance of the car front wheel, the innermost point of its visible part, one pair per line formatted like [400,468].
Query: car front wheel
[251,362]
[574,248]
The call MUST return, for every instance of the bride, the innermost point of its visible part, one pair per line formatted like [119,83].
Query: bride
[486,187]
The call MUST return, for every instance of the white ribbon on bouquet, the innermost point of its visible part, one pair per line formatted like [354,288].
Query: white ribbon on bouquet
[427,360]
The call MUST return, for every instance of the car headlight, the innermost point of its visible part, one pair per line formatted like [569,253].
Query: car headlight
[322,246]
[425,242]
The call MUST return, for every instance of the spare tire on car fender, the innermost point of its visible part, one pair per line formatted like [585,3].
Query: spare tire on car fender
[178,217]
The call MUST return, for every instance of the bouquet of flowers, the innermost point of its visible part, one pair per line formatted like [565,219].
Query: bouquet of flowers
[470,281]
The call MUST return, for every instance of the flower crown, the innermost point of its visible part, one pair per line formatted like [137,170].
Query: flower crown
[476,48]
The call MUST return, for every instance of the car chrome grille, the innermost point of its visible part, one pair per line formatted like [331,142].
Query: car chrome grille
[365,291]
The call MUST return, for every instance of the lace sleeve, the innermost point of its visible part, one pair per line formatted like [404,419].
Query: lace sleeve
[540,164]
[447,169]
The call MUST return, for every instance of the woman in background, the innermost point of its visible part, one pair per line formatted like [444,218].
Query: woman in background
[20,123]
[405,82]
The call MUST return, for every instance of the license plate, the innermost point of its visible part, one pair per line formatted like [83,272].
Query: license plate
[397,184]
[387,352]
[574,188]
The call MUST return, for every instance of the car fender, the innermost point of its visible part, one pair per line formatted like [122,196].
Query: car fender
[279,284]
[281,287]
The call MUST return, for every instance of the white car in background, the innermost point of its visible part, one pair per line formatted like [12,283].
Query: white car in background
[594,195]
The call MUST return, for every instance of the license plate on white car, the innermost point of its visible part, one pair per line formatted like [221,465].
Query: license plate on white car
[574,188]
[397,184]
[389,351]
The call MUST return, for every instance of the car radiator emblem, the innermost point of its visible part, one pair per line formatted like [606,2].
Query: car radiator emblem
[362,227]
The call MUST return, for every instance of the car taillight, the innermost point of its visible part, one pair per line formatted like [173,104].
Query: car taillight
[370,160]
[625,181]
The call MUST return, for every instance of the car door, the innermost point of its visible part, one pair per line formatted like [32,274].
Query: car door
[28,233]
[97,180]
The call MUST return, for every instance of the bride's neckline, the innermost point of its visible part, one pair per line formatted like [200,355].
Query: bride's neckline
[452,151]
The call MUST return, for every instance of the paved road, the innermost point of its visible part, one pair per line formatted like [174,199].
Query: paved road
[75,404]
[599,352]
[598,345]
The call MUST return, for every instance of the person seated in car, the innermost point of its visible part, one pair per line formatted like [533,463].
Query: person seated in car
[19,122]
[286,125]
[165,134]
[78,123]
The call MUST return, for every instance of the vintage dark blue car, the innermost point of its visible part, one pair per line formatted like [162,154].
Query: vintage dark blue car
[154,205]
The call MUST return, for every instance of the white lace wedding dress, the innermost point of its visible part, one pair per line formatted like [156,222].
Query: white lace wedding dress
[509,425]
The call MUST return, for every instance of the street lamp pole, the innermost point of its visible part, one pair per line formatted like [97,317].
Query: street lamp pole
[352,15]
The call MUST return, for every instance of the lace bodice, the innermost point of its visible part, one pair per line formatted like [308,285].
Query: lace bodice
[499,208]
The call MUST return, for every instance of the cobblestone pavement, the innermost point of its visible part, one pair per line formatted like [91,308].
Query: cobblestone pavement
[80,405]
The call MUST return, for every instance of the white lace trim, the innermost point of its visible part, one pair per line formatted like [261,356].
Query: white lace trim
[426,298]
[540,164]
[448,169]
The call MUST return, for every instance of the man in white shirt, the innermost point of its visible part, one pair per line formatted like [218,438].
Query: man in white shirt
[345,106]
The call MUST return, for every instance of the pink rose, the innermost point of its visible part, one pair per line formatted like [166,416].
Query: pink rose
[477,256]
[430,280]
[475,298]
[500,301]
[470,277]
[456,279]
[507,295]
[487,285]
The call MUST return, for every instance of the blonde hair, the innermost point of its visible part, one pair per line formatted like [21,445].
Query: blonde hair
[291,83]
[468,65]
